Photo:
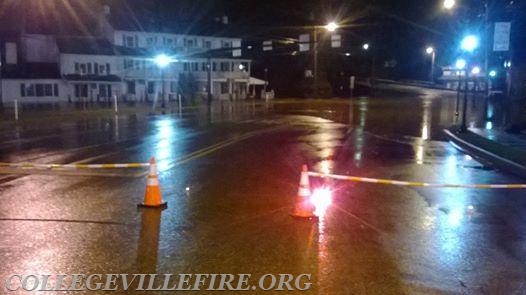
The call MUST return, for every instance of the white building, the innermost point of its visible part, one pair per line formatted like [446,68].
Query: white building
[47,68]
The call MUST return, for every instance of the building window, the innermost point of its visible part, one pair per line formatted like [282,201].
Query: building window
[77,68]
[244,66]
[224,87]
[107,69]
[214,66]
[128,64]
[195,66]
[207,44]
[131,87]
[81,90]
[101,69]
[149,41]
[83,68]
[173,86]
[137,64]
[48,89]
[129,41]
[225,66]
[89,68]
[39,89]
[186,67]
[226,44]
[151,87]
[204,67]
[96,68]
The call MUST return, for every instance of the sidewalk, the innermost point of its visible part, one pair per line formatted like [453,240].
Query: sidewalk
[505,151]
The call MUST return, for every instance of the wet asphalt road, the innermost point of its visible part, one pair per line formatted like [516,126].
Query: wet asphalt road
[241,166]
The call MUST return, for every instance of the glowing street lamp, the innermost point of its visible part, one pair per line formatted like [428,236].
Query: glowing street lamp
[492,73]
[469,43]
[449,4]
[460,64]
[331,27]
[475,70]
[365,46]
[162,60]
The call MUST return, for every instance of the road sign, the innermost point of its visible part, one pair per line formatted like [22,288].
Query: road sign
[305,42]
[501,37]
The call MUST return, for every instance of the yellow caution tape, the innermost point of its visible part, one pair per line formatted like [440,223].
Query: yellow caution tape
[412,183]
[75,166]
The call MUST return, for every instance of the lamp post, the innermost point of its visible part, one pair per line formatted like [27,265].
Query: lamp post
[431,51]
[468,44]
[459,65]
[162,61]
[330,27]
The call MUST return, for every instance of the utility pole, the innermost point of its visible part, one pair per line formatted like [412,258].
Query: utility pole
[209,80]
[315,39]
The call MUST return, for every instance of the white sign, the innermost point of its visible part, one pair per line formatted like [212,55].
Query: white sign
[336,41]
[351,82]
[267,45]
[305,42]
[501,37]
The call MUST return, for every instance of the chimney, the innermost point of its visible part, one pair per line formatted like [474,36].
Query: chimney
[106,10]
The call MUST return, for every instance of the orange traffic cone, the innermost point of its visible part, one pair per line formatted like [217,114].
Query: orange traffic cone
[304,208]
[152,196]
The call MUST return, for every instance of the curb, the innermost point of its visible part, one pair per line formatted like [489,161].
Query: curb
[496,160]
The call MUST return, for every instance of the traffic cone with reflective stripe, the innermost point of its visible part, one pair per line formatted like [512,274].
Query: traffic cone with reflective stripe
[304,208]
[152,196]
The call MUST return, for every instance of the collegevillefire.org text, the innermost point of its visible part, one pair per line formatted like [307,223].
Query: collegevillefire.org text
[157,282]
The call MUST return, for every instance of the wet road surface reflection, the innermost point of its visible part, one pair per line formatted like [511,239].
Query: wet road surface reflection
[228,208]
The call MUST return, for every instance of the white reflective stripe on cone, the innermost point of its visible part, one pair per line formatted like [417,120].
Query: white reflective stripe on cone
[152,181]
[153,170]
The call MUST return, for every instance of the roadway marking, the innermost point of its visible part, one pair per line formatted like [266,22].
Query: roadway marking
[77,164]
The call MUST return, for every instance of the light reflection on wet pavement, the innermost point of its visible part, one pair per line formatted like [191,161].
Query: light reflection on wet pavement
[234,217]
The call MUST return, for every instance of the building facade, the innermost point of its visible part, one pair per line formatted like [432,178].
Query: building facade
[120,63]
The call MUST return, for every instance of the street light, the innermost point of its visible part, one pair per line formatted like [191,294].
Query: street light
[162,61]
[365,46]
[469,43]
[449,4]
[475,70]
[331,27]
[460,64]
[493,73]
[431,51]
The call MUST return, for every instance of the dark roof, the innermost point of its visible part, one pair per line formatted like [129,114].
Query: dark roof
[108,78]
[31,71]
[122,50]
[85,45]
